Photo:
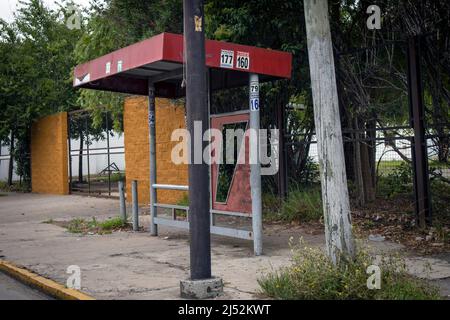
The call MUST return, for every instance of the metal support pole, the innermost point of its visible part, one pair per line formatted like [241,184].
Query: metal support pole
[197,112]
[88,158]
[255,166]
[123,209]
[212,215]
[69,146]
[109,153]
[134,192]
[152,141]
[420,158]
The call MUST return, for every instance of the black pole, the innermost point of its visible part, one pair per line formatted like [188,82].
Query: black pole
[109,153]
[197,111]
[420,158]
[11,158]
[88,160]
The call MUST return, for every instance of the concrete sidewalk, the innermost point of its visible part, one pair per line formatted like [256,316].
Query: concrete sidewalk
[127,265]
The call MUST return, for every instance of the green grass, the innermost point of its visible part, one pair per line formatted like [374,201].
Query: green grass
[4,186]
[82,226]
[397,182]
[77,225]
[437,164]
[16,187]
[388,167]
[112,224]
[312,276]
[302,205]
[118,176]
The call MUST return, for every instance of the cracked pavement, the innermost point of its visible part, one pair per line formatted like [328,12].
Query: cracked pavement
[128,265]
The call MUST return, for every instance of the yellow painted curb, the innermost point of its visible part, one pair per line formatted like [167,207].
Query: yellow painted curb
[47,286]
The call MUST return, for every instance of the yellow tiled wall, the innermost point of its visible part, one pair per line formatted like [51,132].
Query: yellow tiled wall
[49,167]
[169,116]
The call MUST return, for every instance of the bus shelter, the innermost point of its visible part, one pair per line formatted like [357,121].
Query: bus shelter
[154,68]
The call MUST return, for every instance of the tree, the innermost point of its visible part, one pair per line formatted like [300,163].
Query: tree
[114,25]
[336,206]
[37,60]
[279,26]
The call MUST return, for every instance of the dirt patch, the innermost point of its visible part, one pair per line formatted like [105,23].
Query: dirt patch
[394,220]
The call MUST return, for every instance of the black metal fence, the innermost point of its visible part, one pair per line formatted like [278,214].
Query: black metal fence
[96,155]
[396,151]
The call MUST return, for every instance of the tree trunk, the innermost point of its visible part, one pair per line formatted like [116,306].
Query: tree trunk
[11,158]
[372,151]
[358,170]
[338,230]
[366,168]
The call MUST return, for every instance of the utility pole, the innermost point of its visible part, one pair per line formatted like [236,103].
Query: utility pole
[336,206]
[201,284]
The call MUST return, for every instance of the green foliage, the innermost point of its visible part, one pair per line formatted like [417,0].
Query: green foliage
[279,26]
[440,197]
[398,181]
[79,225]
[15,187]
[118,176]
[301,205]
[76,225]
[312,276]
[112,224]
[115,25]
[36,61]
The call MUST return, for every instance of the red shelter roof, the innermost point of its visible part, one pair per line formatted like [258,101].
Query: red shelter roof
[160,59]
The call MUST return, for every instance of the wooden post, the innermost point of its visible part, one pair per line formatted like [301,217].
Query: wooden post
[336,206]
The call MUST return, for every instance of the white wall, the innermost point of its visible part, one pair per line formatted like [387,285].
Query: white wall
[97,160]
[4,164]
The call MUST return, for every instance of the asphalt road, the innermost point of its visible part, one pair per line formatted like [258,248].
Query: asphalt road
[11,289]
